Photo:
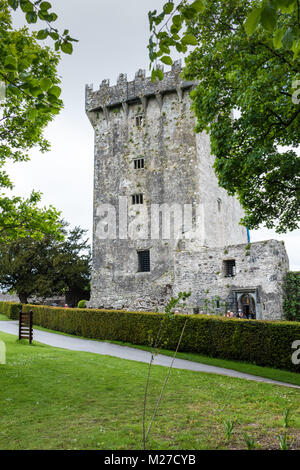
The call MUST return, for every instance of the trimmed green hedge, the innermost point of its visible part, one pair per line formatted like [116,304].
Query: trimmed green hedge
[266,343]
[10,309]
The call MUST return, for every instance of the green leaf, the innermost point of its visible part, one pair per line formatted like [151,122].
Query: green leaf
[55,91]
[288,38]
[286,6]
[35,91]
[31,17]
[188,12]
[282,3]
[268,18]
[51,99]
[42,34]
[54,35]
[26,6]
[52,17]
[179,47]
[198,5]
[174,30]
[55,110]
[158,19]
[188,39]
[159,74]
[153,75]
[277,39]
[45,84]
[42,107]
[13,4]
[42,15]
[151,47]
[252,21]
[296,48]
[45,6]
[32,114]
[11,63]
[151,15]
[168,7]
[177,20]
[167,60]
[67,47]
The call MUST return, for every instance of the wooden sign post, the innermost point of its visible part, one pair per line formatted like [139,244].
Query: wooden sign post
[25,326]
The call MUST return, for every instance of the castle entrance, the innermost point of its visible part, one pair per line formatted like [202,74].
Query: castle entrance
[248,305]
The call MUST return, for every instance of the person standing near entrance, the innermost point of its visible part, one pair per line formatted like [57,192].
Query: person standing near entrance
[251,315]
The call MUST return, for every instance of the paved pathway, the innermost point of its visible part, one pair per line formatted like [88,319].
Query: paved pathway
[124,352]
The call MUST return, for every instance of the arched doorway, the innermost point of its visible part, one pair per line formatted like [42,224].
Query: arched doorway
[247,305]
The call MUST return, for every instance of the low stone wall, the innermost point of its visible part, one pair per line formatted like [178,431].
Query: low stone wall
[58,300]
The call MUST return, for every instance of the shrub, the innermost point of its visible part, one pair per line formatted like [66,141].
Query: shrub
[82,303]
[10,309]
[266,343]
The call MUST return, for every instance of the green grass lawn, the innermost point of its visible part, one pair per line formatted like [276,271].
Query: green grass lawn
[246,367]
[56,399]
[267,372]
[4,317]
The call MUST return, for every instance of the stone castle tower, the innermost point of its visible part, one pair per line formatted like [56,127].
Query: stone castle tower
[161,223]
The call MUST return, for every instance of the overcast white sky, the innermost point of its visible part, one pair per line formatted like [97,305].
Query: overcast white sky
[113,38]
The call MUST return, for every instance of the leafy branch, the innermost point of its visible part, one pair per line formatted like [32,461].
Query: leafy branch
[40,10]
[267,14]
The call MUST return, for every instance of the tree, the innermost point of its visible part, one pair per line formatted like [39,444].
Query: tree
[46,267]
[268,14]
[246,98]
[32,99]
[72,264]
[22,217]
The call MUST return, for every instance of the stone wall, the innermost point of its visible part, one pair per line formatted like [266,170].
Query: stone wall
[58,300]
[221,213]
[8,298]
[260,269]
[165,141]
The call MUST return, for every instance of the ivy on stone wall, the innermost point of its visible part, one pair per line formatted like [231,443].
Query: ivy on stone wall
[291,303]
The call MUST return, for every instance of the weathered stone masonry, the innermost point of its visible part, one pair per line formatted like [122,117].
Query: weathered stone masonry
[154,122]
[260,268]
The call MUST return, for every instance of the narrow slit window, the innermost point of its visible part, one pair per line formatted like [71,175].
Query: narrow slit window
[229,268]
[138,163]
[137,199]
[139,120]
[144,261]
[219,201]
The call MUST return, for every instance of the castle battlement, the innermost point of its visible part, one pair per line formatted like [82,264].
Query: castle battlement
[137,90]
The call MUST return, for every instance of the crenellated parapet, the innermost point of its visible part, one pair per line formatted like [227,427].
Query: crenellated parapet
[138,90]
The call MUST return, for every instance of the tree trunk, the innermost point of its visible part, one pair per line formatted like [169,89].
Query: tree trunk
[23,298]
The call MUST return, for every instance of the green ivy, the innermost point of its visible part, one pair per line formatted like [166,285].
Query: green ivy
[291,304]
